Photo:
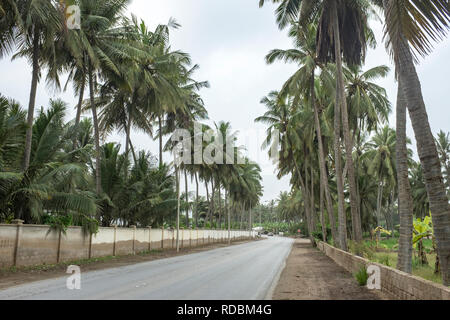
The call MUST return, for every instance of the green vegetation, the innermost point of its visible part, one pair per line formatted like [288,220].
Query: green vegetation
[362,276]
[351,172]
[126,78]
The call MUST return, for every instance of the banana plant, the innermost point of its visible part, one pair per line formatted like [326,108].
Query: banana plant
[377,232]
[422,229]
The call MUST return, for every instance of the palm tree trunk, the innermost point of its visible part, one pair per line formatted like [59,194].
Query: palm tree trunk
[405,202]
[161,162]
[98,181]
[379,202]
[426,147]
[79,106]
[209,202]
[242,216]
[187,197]
[128,132]
[323,171]
[220,206]
[32,102]
[196,199]
[322,213]
[313,201]
[337,133]
[177,174]
[356,219]
[213,193]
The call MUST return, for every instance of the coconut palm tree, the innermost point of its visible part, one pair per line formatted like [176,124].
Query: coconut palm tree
[40,21]
[381,157]
[347,21]
[412,26]
[305,56]
[443,145]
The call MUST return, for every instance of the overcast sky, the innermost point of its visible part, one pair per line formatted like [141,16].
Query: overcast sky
[229,40]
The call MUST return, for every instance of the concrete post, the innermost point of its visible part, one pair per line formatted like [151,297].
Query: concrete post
[58,253]
[19,224]
[134,239]
[162,237]
[190,238]
[182,237]
[115,239]
[149,238]
[90,245]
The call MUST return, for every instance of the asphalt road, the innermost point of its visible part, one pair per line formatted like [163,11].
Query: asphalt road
[243,272]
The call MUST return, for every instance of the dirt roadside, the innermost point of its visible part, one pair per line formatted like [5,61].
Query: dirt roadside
[14,277]
[311,275]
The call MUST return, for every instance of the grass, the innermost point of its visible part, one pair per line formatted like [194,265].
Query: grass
[362,276]
[388,256]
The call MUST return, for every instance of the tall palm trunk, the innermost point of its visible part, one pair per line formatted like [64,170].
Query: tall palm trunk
[161,162]
[426,147]
[177,174]
[405,202]
[79,107]
[323,171]
[220,206]
[356,219]
[187,197]
[337,133]
[322,214]
[242,216]
[128,130]
[213,209]
[209,203]
[98,181]
[32,102]
[379,202]
[196,199]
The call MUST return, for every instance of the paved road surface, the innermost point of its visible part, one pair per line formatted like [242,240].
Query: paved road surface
[242,272]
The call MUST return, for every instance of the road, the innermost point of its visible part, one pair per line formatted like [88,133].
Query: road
[242,272]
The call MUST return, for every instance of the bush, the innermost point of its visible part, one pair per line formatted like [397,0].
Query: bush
[362,276]
[361,249]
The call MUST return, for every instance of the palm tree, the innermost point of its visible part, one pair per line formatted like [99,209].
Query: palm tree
[347,21]
[381,156]
[405,202]
[443,145]
[98,46]
[305,56]
[12,132]
[51,183]
[40,21]
[410,26]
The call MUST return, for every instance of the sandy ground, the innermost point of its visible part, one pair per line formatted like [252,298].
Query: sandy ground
[311,275]
[22,276]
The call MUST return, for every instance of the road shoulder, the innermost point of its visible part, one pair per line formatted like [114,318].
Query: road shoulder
[311,275]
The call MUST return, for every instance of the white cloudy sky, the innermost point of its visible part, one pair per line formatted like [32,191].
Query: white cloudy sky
[229,40]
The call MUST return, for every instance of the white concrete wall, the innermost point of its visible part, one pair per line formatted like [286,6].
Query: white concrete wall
[35,244]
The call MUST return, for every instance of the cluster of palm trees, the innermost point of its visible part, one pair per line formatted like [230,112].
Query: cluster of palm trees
[128,78]
[326,111]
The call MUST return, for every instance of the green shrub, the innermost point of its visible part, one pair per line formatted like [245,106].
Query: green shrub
[361,249]
[362,276]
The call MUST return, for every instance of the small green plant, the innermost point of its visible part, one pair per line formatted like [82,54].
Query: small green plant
[362,276]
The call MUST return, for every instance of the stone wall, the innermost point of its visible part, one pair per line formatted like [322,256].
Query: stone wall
[28,245]
[397,283]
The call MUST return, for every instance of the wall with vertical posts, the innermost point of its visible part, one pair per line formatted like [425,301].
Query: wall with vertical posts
[28,245]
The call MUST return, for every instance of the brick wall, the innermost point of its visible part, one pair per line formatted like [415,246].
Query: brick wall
[397,283]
